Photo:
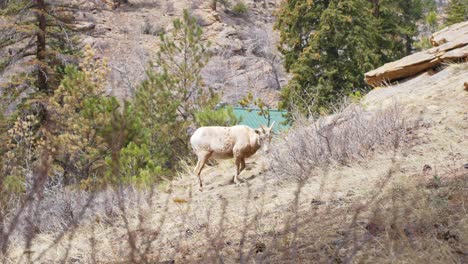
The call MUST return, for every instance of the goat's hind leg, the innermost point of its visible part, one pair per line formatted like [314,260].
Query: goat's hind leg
[202,159]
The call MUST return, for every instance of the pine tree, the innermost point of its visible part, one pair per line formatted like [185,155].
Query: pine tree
[89,125]
[158,104]
[328,57]
[397,25]
[174,91]
[457,11]
[38,36]
[297,21]
[181,58]
[74,133]
[39,32]
[328,45]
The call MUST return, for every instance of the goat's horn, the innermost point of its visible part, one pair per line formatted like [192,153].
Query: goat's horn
[272,124]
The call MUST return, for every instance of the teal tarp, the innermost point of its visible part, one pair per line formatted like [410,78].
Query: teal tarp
[251,118]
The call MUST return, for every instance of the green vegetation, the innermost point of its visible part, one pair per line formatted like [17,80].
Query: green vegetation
[457,11]
[217,117]
[240,9]
[88,177]
[264,108]
[329,45]
[91,139]
[78,101]
[63,120]
[136,167]
[174,92]
[44,32]
[431,21]
[431,24]
[41,34]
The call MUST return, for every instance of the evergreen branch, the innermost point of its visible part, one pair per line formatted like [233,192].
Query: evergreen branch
[4,43]
[22,53]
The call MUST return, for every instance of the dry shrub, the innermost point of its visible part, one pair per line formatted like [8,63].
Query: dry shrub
[149,29]
[60,210]
[349,135]
[407,220]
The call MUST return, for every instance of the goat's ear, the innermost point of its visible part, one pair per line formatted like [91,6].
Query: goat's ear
[258,131]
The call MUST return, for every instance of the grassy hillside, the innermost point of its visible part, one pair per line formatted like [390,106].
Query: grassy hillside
[378,182]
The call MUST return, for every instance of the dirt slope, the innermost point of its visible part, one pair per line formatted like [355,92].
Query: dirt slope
[231,224]
[439,101]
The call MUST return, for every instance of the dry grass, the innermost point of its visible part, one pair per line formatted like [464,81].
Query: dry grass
[389,191]
[416,217]
[406,217]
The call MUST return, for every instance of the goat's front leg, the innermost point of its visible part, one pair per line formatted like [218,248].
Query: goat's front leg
[242,165]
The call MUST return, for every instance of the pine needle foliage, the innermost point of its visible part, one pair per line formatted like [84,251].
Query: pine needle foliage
[89,126]
[181,58]
[217,117]
[329,60]
[76,123]
[39,37]
[174,92]
[38,34]
[457,11]
[328,45]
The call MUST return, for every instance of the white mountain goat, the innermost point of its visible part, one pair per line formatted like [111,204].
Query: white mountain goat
[239,142]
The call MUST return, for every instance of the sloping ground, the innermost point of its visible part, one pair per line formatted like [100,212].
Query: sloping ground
[399,207]
[439,101]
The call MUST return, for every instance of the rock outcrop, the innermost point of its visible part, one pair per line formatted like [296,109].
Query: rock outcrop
[450,44]
[449,34]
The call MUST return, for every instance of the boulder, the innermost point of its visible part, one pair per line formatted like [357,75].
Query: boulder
[227,39]
[205,17]
[452,45]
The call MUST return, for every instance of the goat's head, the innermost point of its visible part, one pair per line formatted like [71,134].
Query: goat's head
[264,135]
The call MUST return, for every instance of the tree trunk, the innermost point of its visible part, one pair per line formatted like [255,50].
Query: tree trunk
[376,8]
[408,44]
[41,51]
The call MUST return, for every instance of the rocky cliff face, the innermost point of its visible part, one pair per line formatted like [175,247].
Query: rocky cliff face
[243,46]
